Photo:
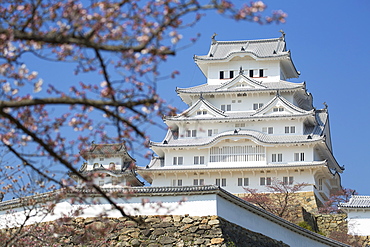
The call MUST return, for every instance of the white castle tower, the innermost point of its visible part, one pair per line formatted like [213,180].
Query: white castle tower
[113,165]
[246,126]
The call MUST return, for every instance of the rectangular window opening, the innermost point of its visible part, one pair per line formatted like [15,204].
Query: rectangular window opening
[221,75]
[261,73]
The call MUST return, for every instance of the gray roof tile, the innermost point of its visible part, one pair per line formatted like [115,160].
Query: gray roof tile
[357,202]
[265,48]
[259,136]
[268,86]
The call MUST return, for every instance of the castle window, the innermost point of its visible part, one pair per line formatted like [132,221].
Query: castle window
[178,160]
[243,181]
[199,112]
[289,129]
[237,125]
[209,132]
[226,107]
[277,157]
[257,106]
[101,159]
[261,73]
[191,133]
[237,153]
[278,109]
[204,112]
[298,156]
[198,181]
[265,180]
[231,74]
[288,180]
[198,160]
[221,75]
[221,182]
[251,73]
[320,183]
[268,130]
[177,182]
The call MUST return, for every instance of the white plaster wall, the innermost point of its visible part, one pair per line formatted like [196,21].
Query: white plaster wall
[199,205]
[195,205]
[116,160]
[272,69]
[244,218]
[359,222]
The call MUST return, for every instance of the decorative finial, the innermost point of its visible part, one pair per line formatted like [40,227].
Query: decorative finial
[241,71]
[326,105]
[201,96]
[282,34]
[93,142]
[214,38]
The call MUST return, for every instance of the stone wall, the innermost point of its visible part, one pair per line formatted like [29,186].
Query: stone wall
[150,231]
[328,223]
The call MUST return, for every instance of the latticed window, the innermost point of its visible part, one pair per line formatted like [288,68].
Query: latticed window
[243,181]
[237,153]
[288,180]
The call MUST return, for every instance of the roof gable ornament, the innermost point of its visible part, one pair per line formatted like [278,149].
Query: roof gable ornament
[282,34]
[241,71]
[214,38]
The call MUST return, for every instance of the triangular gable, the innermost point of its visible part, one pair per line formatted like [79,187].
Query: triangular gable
[202,108]
[279,106]
[241,82]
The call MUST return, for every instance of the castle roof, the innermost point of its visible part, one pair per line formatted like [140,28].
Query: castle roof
[356,202]
[257,136]
[117,149]
[262,49]
[264,86]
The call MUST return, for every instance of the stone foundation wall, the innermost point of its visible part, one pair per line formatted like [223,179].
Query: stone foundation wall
[150,231]
[331,222]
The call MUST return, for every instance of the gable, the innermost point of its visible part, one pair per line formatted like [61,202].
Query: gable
[279,106]
[202,108]
[241,82]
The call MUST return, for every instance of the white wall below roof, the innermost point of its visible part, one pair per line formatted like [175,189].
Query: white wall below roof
[303,176]
[257,223]
[271,70]
[358,222]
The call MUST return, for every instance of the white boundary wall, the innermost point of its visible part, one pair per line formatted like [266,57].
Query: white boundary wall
[212,201]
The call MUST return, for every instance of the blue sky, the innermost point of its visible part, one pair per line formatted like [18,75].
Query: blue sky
[329,46]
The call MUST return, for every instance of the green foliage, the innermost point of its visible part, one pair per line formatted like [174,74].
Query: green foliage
[305,225]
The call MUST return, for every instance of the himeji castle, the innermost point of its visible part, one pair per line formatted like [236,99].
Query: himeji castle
[247,125]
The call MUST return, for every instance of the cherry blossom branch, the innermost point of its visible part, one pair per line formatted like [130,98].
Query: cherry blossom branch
[61,160]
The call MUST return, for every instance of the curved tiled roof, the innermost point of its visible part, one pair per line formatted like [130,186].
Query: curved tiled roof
[244,115]
[105,149]
[237,79]
[155,166]
[265,48]
[285,102]
[201,100]
[357,202]
[264,86]
[255,135]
